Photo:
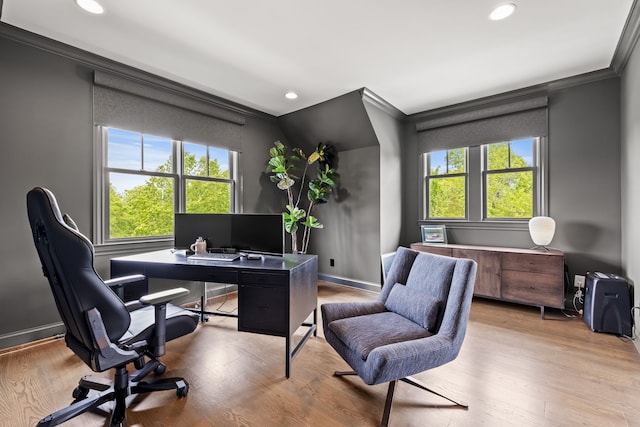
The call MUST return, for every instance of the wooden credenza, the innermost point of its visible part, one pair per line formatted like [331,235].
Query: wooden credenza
[526,276]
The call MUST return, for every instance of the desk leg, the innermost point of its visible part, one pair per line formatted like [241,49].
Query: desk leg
[313,329]
[203,300]
[315,322]
[287,364]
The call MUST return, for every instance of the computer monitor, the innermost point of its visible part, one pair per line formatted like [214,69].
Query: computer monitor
[244,232]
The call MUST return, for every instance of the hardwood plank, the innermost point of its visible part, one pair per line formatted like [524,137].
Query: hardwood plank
[514,369]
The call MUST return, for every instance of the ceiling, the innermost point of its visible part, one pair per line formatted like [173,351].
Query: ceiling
[415,54]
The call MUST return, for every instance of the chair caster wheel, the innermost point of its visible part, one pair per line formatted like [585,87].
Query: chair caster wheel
[182,391]
[160,369]
[80,393]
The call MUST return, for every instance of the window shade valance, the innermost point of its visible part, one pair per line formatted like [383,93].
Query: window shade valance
[127,104]
[493,124]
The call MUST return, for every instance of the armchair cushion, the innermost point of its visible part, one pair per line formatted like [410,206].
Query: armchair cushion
[362,334]
[432,274]
[419,307]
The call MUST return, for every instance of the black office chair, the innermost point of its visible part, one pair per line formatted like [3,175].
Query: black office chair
[101,329]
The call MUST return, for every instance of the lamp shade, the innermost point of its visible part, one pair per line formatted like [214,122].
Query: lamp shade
[542,229]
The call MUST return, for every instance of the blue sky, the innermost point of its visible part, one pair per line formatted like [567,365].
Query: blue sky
[124,152]
[519,147]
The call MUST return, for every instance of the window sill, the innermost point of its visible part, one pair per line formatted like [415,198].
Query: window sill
[121,248]
[516,225]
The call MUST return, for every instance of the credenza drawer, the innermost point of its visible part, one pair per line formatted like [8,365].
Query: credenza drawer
[533,288]
[533,263]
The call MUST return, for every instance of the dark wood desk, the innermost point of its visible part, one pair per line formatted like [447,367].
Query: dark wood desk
[275,295]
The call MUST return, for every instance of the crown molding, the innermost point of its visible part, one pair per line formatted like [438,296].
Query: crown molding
[628,39]
[101,63]
[382,104]
[535,90]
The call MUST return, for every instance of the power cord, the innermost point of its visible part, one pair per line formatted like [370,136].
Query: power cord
[224,301]
[578,298]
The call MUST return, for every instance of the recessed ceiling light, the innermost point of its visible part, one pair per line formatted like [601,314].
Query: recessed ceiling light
[91,6]
[291,95]
[502,11]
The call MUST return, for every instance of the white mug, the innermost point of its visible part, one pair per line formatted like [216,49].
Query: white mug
[200,246]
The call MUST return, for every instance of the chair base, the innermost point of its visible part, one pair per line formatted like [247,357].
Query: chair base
[117,392]
[384,422]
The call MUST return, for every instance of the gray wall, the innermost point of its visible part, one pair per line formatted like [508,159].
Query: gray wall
[351,233]
[362,219]
[46,132]
[584,181]
[584,175]
[351,236]
[631,174]
[390,132]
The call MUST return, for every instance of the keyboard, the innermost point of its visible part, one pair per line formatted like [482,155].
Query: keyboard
[209,256]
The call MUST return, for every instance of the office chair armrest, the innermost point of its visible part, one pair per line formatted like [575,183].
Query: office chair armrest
[124,280]
[117,284]
[107,354]
[160,300]
[163,297]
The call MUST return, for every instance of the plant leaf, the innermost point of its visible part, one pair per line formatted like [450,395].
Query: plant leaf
[312,222]
[313,157]
[285,183]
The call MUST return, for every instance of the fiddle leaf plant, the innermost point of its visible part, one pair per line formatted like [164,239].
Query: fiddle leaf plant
[283,166]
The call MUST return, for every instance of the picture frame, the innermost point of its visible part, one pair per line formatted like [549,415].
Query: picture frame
[433,234]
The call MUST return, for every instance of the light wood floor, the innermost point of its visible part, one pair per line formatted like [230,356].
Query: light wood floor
[514,369]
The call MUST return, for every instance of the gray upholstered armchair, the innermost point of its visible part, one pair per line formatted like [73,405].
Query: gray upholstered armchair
[417,323]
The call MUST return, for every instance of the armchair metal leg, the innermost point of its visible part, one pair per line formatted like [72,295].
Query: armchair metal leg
[416,383]
[384,422]
[387,404]
[343,373]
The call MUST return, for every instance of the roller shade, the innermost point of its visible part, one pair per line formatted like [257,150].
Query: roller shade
[127,104]
[493,124]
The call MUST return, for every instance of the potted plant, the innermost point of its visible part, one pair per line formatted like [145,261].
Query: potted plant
[284,167]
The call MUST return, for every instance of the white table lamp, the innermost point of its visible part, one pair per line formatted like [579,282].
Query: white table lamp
[542,229]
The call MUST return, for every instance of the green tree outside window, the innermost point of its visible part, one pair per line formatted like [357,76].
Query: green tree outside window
[447,183]
[146,206]
[510,178]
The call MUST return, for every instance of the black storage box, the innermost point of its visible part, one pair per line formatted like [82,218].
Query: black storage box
[607,304]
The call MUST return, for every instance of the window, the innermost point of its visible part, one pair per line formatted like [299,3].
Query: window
[446,183]
[510,172]
[206,179]
[500,181]
[145,179]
